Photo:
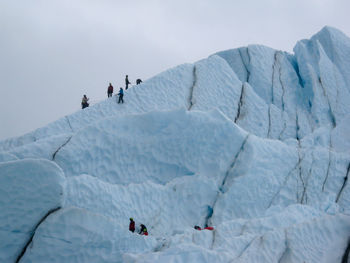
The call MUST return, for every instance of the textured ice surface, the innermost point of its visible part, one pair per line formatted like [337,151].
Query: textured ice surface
[252,141]
[29,189]
[157,146]
[76,235]
[5,157]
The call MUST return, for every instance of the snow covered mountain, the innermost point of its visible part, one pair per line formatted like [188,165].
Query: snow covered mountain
[252,141]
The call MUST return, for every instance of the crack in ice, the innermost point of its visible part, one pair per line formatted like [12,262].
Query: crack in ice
[346,253]
[221,190]
[23,251]
[286,179]
[273,77]
[244,64]
[307,181]
[286,243]
[344,184]
[70,126]
[269,129]
[247,246]
[331,114]
[190,99]
[329,161]
[59,148]
[240,103]
[233,163]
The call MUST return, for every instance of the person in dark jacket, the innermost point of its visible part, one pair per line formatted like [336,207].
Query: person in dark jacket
[138,81]
[127,82]
[84,102]
[121,95]
[143,230]
[110,90]
[132,225]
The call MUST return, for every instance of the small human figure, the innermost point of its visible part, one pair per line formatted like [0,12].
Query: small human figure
[132,225]
[143,230]
[127,82]
[110,90]
[121,95]
[207,228]
[84,102]
[138,81]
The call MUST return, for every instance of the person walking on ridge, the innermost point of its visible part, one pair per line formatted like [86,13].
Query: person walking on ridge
[84,102]
[110,90]
[127,82]
[121,95]
[132,225]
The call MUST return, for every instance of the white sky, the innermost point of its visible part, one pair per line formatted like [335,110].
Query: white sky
[54,51]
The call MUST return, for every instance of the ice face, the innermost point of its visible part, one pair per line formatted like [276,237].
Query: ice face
[29,189]
[252,141]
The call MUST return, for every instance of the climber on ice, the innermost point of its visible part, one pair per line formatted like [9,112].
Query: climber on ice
[132,225]
[127,82]
[207,228]
[84,102]
[110,90]
[121,95]
[138,81]
[143,230]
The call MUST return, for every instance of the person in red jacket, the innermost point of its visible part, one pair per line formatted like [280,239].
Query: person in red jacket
[110,90]
[207,228]
[132,225]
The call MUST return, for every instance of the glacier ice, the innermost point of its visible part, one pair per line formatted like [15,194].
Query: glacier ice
[29,189]
[253,141]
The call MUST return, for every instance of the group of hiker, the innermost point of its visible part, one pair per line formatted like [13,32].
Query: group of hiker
[110,93]
[206,228]
[143,228]
[84,101]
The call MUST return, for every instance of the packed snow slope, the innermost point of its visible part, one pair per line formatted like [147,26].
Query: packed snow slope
[252,141]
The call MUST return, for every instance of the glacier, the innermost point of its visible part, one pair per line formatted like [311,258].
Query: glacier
[252,141]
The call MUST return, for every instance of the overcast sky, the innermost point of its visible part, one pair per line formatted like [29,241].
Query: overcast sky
[54,51]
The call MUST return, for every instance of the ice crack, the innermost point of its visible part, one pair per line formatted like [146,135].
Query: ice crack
[286,243]
[284,128]
[59,148]
[273,77]
[190,99]
[240,103]
[282,86]
[213,240]
[304,194]
[297,127]
[269,114]
[244,64]
[346,253]
[344,184]
[247,246]
[329,161]
[300,159]
[33,232]
[221,190]
[233,163]
[331,114]
[70,126]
